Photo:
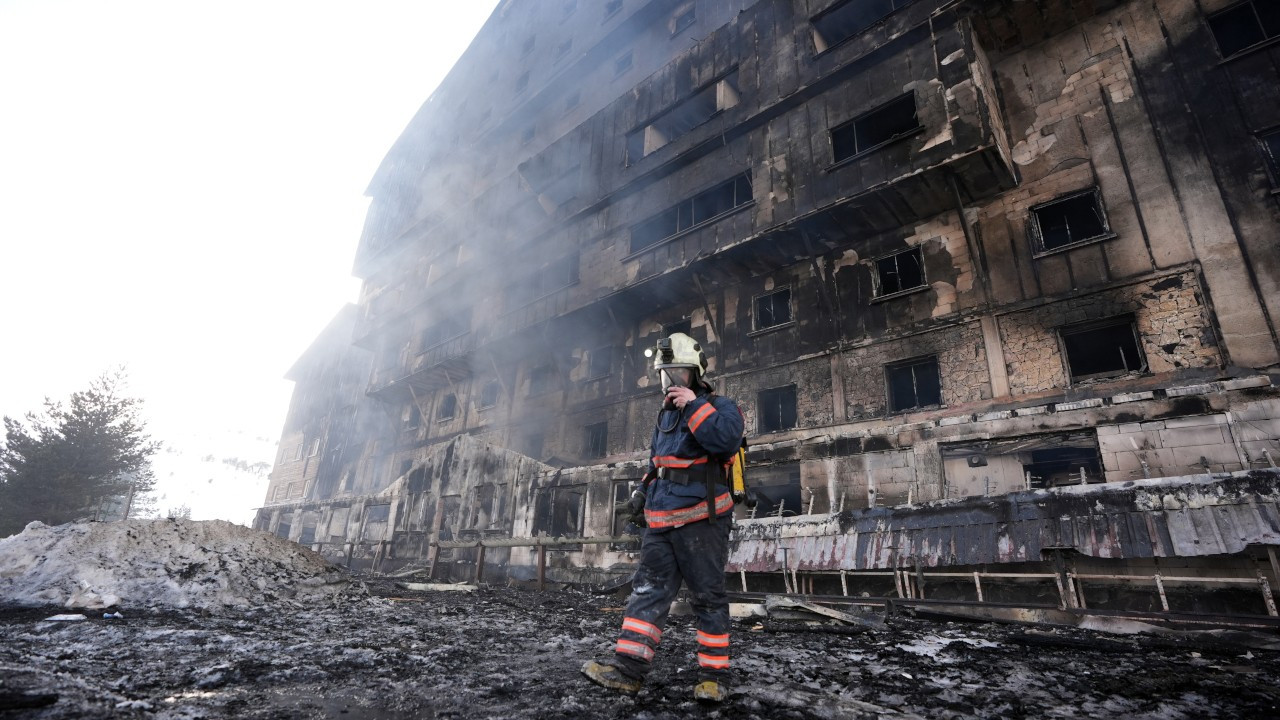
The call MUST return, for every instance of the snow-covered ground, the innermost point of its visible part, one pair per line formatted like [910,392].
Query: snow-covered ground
[159,564]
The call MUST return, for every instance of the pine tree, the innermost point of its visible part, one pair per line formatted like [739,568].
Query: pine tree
[67,462]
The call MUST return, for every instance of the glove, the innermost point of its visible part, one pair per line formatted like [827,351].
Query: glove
[632,510]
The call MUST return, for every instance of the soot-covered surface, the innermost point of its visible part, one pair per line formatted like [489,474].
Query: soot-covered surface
[510,652]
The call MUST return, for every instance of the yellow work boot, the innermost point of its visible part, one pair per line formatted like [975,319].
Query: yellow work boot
[611,677]
[709,691]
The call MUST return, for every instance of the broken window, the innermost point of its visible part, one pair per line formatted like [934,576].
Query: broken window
[891,121]
[683,18]
[777,492]
[1244,25]
[600,362]
[595,440]
[848,19]
[375,522]
[560,511]
[704,104]
[445,330]
[1066,221]
[773,309]
[702,208]
[541,379]
[482,512]
[448,407]
[995,467]
[899,273]
[1270,142]
[913,384]
[777,409]
[622,64]
[489,394]
[1102,349]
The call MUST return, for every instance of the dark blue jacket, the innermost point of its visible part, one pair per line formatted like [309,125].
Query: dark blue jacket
[704,432]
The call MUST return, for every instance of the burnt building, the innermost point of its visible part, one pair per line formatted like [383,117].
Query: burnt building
[944,253]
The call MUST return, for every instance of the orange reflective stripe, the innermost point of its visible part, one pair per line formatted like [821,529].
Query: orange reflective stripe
[702,414]
[672,461]
[715,641]
[641,627]
[682,516]
[713,661]
[634,649]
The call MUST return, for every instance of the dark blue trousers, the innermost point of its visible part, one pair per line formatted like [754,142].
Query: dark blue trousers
[696,555]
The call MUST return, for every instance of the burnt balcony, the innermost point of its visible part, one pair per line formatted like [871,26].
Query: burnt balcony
[430,369]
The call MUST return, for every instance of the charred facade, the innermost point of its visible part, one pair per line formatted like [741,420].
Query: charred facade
[937,251]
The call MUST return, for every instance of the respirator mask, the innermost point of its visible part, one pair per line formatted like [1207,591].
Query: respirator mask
[674,377]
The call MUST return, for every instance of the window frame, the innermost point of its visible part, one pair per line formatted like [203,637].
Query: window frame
[638,135]
[1036,234]
[589,449]
[779,391]
[621,68]
[692,201]
[480,401]
[880,295]
[755,311]
[550,371]
[852,124]
[815,33]
[1264,43]
[909,363]
[453,408]
[1270,160]
[686,10]
[1130,320]
[592,373]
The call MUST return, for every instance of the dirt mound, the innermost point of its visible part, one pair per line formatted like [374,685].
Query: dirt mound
[160,564]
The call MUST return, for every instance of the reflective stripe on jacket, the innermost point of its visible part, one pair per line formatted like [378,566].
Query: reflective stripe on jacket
[704,428]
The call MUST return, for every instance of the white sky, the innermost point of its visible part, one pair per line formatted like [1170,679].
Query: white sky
[181,192]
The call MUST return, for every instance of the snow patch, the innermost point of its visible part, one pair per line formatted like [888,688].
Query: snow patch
[160,563]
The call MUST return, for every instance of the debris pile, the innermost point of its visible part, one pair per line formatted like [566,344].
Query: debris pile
[168,563]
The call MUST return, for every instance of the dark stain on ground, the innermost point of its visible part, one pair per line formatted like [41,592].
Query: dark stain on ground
[510,652]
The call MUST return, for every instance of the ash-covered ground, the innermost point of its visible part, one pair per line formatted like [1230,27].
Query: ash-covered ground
[214,620]
[515,653]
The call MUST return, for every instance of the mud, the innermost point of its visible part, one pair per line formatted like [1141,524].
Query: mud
[512,652]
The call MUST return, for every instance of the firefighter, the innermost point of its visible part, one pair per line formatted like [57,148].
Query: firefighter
[696,438]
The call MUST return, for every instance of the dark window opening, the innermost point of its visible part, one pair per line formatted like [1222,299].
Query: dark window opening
[849,19]
[1071,220]
[701,209]
[522,82]
[596,440]
[914,384]
[444,331]
[482,512]
[621,525]
[773,309]
[1102,349]
[1053,467]
[489,394]
[600,363]
[778,492]
[684,19]
[777,409]
[890,121]
[282,530]
[622,64]
[1244,25]
[559,512]
[611,8]
[552,277]
[695,110]
[900,272]
[308,535]
[415,417]
[541,379]
[683,325]
[375,522]
[1271,154]
[448,407]
[995,467]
